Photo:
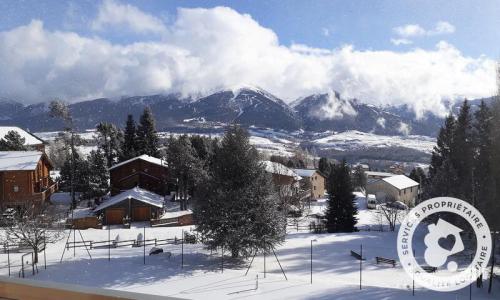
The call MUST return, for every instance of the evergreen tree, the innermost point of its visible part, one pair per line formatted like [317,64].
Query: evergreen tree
[235,208]
[98,184]
[324,166]
[109,140]
[184,166]
[129,146]
[462,154]
[483,177]
[359,178]
[342,211]
[82,174]
[442,175]
[147,139]
[12,141]
[418,175]
[494,210]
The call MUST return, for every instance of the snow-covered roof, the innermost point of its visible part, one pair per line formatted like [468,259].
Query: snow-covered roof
[379,174]
[277,168]
[400,181]
[304,172]
[19,160]
[144,157]
[136,193]
[29,138]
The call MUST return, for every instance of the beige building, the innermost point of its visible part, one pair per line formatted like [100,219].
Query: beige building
[316,181]
[398,188]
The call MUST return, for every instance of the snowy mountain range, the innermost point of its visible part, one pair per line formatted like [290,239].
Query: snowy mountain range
[246,105]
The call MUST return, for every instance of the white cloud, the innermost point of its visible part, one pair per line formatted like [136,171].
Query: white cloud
[410,30]
[442,28]
[115,14]
[207,49]
[399,42]
[325,31]
[381,122]
[404,128]
[415,30]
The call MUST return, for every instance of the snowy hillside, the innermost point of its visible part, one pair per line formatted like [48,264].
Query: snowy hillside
[355,140]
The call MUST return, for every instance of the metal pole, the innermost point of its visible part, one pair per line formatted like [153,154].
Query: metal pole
[264,262]
[144,244]
[413,278]
[8,257]
[360,266]
[250,263]
[84,245]
[109,243]
[222,265]
[311,261]
[182,250]
[44,251]
[65,246]
[470,279]
[283,271]
[492,263]
[32,264]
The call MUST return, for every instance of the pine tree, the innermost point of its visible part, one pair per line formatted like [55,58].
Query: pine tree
[147,139]
[12,141]
[342,211]
[324,166]
[235,208]
[483,177]
[462,154]
[442,174]
[109,139]
[359,178]
[494,210]
[98,183]
[82,174]
[129,146]
[184,166]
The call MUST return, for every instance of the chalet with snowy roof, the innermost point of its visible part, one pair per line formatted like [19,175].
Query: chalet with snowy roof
[136,205]
[282,175]
[25,178]
[315,180]
[378,175]
[31,141]
[397,187]
[147,172]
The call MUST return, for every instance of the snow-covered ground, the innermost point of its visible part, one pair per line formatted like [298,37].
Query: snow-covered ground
[335,272]
[352,140]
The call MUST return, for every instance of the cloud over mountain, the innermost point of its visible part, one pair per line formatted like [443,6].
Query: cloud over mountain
[207,49]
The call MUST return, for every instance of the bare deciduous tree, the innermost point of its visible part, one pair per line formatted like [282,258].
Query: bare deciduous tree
[34,226]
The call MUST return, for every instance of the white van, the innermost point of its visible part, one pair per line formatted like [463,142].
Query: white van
[371,201]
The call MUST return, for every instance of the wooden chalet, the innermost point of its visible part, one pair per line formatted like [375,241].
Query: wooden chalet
[134,205]
[25,178]
[147,172]
[31,141]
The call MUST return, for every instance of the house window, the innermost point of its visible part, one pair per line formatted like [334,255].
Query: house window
[314,187]
[315,177]
[16,188]
[404,191]
[399,192]
[411,189]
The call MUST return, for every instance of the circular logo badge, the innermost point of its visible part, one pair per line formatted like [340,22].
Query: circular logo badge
[443,240]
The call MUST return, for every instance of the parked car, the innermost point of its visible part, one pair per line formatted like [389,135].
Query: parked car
[371,201]
[397,204]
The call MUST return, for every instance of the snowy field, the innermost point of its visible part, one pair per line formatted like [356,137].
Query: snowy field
[335,272]
[352,140]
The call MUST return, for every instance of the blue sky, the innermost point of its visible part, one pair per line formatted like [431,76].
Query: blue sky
[325,24]
[419,53]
